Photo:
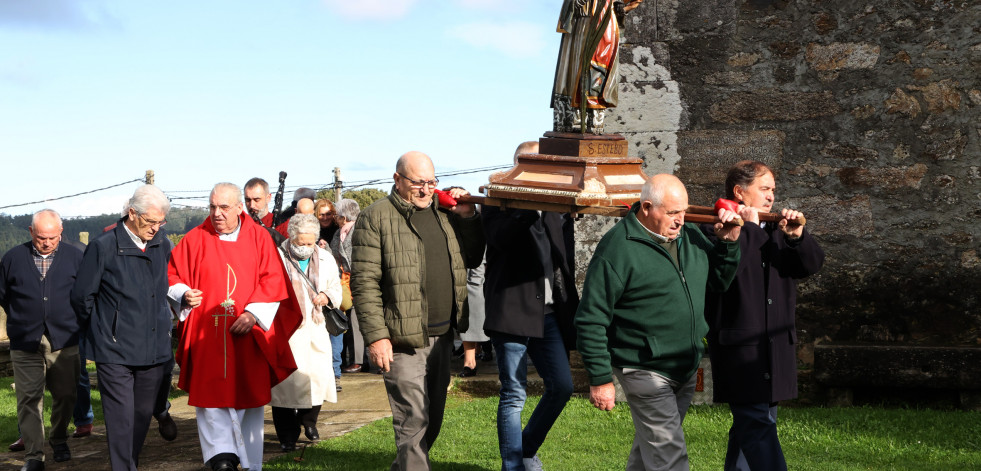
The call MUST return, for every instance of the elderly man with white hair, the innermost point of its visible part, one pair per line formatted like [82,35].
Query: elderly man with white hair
[36,279]
[314,280]
[227,282]
[120,293]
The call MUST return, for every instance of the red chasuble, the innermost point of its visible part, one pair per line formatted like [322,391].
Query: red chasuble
[219,369]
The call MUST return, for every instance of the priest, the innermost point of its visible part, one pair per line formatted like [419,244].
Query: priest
[227,283]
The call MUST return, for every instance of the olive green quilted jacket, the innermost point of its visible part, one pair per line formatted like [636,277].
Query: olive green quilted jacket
[388,269]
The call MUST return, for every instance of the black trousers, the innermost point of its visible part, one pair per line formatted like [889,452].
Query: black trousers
[288,422]
[128,397]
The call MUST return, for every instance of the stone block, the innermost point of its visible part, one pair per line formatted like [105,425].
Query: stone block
[774,105]
[840,56]
[679,18]
[827,215]
[940,96]
[890,178]
[903,366]
[900,102]
[846,152]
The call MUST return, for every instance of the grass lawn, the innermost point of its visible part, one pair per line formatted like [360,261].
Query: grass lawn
[8,411]
[814,439]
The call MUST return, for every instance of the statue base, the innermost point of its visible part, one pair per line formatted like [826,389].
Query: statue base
[583,173]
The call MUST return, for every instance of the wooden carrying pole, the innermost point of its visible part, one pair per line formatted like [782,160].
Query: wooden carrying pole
[695,214]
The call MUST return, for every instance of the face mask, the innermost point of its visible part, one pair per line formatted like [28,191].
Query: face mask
[301,253]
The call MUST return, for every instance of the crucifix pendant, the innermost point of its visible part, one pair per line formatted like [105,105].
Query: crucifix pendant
[224,311]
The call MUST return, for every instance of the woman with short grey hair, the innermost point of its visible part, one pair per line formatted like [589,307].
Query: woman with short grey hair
[296,401]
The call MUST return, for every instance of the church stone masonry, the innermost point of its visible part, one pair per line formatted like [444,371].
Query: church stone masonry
[870,113]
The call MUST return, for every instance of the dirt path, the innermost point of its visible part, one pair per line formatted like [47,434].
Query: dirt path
[362,401]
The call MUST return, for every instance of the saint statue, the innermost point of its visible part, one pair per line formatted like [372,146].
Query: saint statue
[586,74]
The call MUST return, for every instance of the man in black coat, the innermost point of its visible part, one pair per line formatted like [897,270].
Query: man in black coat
[752,334]
[531,299]
[36,279]
[120,296]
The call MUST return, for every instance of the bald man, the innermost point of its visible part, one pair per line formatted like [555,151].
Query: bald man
[36,280]
[642,316]
[409,283]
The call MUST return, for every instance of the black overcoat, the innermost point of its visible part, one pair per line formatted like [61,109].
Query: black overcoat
[752,332]
[514,284]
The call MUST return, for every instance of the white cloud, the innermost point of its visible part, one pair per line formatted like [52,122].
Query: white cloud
[371,9]
[515,39]
[67,14]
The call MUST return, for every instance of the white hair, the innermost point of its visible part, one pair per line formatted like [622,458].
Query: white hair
[348,209]
[228,186]
[303,224]
[46,212]
[148,197]
[652,192]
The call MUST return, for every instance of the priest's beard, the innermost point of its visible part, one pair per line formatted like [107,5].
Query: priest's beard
[301,253]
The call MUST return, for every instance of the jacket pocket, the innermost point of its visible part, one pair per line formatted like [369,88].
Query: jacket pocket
[738,337]
[115,319]
[653,346]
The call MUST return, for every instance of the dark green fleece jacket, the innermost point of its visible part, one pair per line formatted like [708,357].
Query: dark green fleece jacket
[639,310]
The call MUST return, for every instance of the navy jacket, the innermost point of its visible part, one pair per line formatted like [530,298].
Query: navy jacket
[33,304]
[120,298]
[514,283]
[752,330]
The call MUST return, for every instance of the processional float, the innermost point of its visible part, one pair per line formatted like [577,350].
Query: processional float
[580,169]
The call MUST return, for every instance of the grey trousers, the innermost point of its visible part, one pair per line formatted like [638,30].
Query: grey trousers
[58,370]
[657,406]
[416,385]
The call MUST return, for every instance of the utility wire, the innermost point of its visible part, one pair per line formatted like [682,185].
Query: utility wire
[71,196]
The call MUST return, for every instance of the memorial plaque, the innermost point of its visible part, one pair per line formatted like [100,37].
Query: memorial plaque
[707,155]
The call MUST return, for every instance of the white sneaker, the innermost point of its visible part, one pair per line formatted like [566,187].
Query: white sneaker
[533,464]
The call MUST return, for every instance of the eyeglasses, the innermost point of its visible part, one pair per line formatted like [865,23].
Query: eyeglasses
[150,223]
[421,183]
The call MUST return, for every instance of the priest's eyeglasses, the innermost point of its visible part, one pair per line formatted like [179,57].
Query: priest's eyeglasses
[421,183]
[150,223]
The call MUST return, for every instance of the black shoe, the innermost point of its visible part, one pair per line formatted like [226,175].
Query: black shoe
[61,452]
[287,447]
[223,465]
[485,356]
[33,465]
[167,427]
[311,433]
[337,383]
[468,372]
[224,462]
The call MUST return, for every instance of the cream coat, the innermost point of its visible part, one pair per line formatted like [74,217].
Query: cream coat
[313,381]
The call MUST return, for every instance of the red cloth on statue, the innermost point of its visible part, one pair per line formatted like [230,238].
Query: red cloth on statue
[219,369]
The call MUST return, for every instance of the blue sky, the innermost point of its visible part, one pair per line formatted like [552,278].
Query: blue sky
[95,92]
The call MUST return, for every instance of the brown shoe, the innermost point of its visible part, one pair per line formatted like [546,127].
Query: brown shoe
[17,446]
[354,368]
[82,431]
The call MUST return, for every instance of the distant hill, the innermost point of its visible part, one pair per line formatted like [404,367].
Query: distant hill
[13,229]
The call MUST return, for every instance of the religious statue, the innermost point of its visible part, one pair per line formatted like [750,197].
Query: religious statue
[586,74]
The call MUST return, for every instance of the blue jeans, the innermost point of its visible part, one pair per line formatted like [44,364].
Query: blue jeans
[550,359]
[753,442]
[337,347]
[82,415]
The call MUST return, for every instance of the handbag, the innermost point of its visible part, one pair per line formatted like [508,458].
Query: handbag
[334,319]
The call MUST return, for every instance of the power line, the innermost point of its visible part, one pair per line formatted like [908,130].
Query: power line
[71,196]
